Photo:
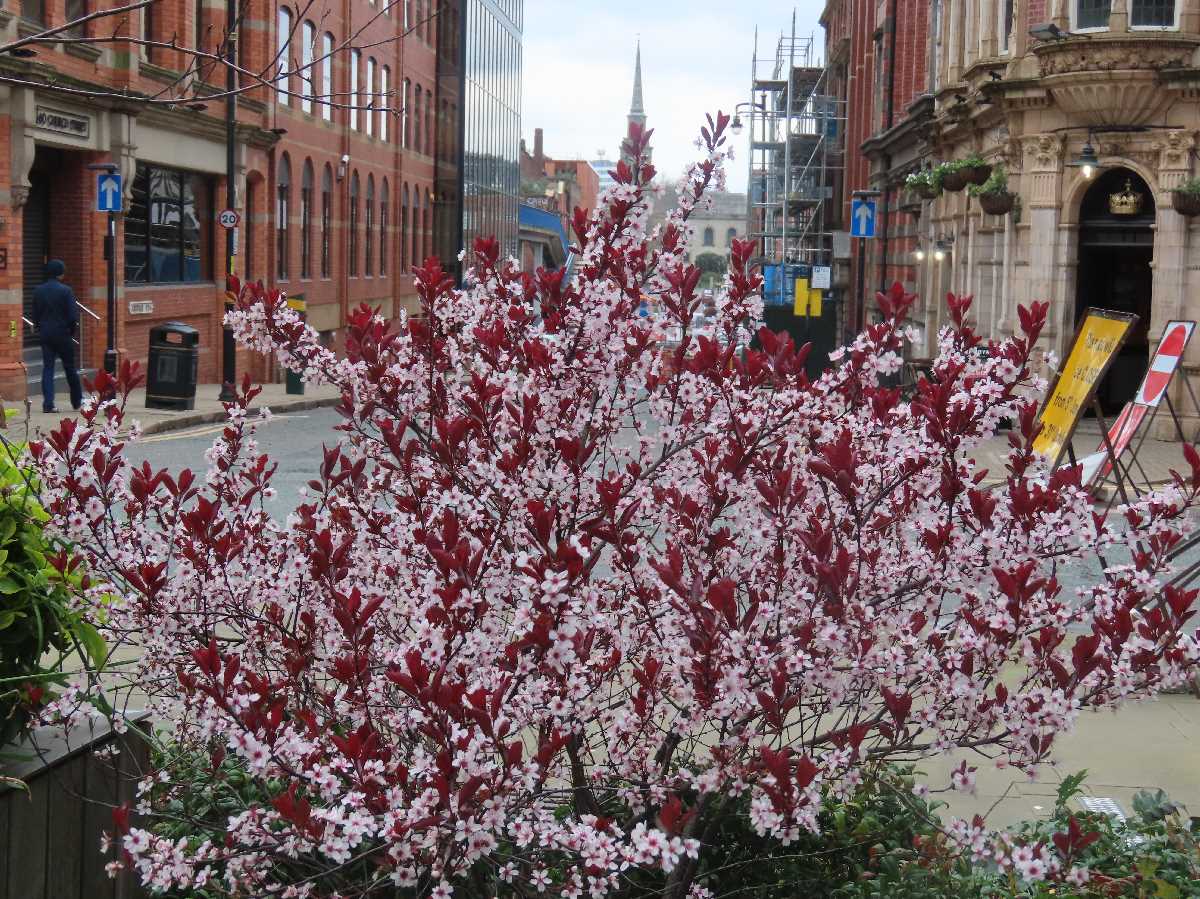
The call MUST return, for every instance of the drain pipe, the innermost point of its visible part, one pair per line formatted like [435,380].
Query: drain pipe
[889,122]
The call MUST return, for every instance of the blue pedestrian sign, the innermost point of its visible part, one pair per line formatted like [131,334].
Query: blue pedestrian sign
[108,192]
[862,217]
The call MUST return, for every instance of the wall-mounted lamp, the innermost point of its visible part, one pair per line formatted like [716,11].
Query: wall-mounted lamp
[940,249]
[341,169]
[1088,162]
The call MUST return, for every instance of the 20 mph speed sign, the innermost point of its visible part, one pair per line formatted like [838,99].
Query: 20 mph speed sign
[228,218]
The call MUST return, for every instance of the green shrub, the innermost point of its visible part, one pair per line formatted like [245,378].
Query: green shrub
[1191,187]
[39,632]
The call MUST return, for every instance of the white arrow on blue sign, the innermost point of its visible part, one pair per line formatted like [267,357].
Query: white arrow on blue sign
[862,217]
[108,192]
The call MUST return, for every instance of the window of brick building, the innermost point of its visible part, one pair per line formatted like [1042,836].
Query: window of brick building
[283,210]
[34,11]
[368,96]
[355,62]
[282,49]
[405,134]
[404,230]
[1092,13]
[369,229]
[306,198]
[385,102]
[326,218]
[309,38]
[168,227]
[76,10]
[416,135]
[384,201]
[327,77]
[709,237]
[352,262]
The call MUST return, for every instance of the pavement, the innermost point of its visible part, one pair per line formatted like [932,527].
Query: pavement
[29,420]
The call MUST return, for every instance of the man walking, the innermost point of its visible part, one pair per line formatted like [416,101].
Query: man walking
[56,318]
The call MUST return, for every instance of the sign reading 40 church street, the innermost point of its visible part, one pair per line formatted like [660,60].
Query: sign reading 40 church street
[1097,342]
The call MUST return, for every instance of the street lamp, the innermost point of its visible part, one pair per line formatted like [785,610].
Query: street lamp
[1088,161]
[736,125]
[228,344]
[939,252]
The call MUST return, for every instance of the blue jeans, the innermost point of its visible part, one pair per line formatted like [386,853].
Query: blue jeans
[61,348]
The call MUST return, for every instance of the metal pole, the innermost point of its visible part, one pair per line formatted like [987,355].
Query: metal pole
[860,309]
[228,345]
[110,258]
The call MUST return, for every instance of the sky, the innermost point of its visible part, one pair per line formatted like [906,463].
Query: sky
[696,58]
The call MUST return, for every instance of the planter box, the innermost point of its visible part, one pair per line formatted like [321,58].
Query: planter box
[50,837]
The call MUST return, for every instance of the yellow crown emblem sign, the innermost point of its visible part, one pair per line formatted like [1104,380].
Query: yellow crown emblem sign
[1127,202]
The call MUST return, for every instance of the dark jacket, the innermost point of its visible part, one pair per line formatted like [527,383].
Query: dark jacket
[55,310]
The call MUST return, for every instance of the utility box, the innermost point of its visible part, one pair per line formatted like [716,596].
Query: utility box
[172,367]
[294,384]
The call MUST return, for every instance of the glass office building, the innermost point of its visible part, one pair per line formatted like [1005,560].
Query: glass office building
[491,173]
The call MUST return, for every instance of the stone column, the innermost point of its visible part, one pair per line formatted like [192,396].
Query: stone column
[1042,180]
[1118,17]
[953,43]
[1061,14]
[989,43]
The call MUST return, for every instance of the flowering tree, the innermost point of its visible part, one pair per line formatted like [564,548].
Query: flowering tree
[557,598]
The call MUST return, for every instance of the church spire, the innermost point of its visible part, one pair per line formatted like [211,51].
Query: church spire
[637,114]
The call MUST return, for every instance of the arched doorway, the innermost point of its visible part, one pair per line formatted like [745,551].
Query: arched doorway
[1116,247]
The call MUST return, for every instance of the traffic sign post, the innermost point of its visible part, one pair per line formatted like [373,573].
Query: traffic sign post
[862,226]
[109,192]
[228,218]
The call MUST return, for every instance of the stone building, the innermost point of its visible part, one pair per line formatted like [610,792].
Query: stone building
[1041,87]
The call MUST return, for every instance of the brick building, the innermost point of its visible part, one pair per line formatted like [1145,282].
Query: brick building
[557,185]
[336,201]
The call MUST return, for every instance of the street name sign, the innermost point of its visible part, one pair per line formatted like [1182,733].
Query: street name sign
[108,192]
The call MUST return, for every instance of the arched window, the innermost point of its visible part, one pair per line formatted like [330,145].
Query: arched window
[352,262]
[405,99]
[250,250]
[309,37]
[428,123]
[282,44]
[326,218]
[369,230]
[708,237]
[283,196]
[368,96]
[405,230]
[417,119]
[428,225]
[730,235]
[385,102]
[306,198]
[384,203]
[327,77]
[355,63]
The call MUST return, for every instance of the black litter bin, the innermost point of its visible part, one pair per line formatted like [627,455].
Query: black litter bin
[172,366]
[293,384]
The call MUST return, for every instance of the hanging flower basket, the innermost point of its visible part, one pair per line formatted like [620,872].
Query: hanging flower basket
[978,174]
[925,191]
[954,181]
[998,203]
[1185,203]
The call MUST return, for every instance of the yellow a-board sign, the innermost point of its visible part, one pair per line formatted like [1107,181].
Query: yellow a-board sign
[807,301]
[1097,342]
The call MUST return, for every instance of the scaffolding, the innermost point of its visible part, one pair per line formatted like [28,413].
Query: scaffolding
[797,154]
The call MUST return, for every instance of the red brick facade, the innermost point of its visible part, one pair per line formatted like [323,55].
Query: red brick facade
[52,129]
